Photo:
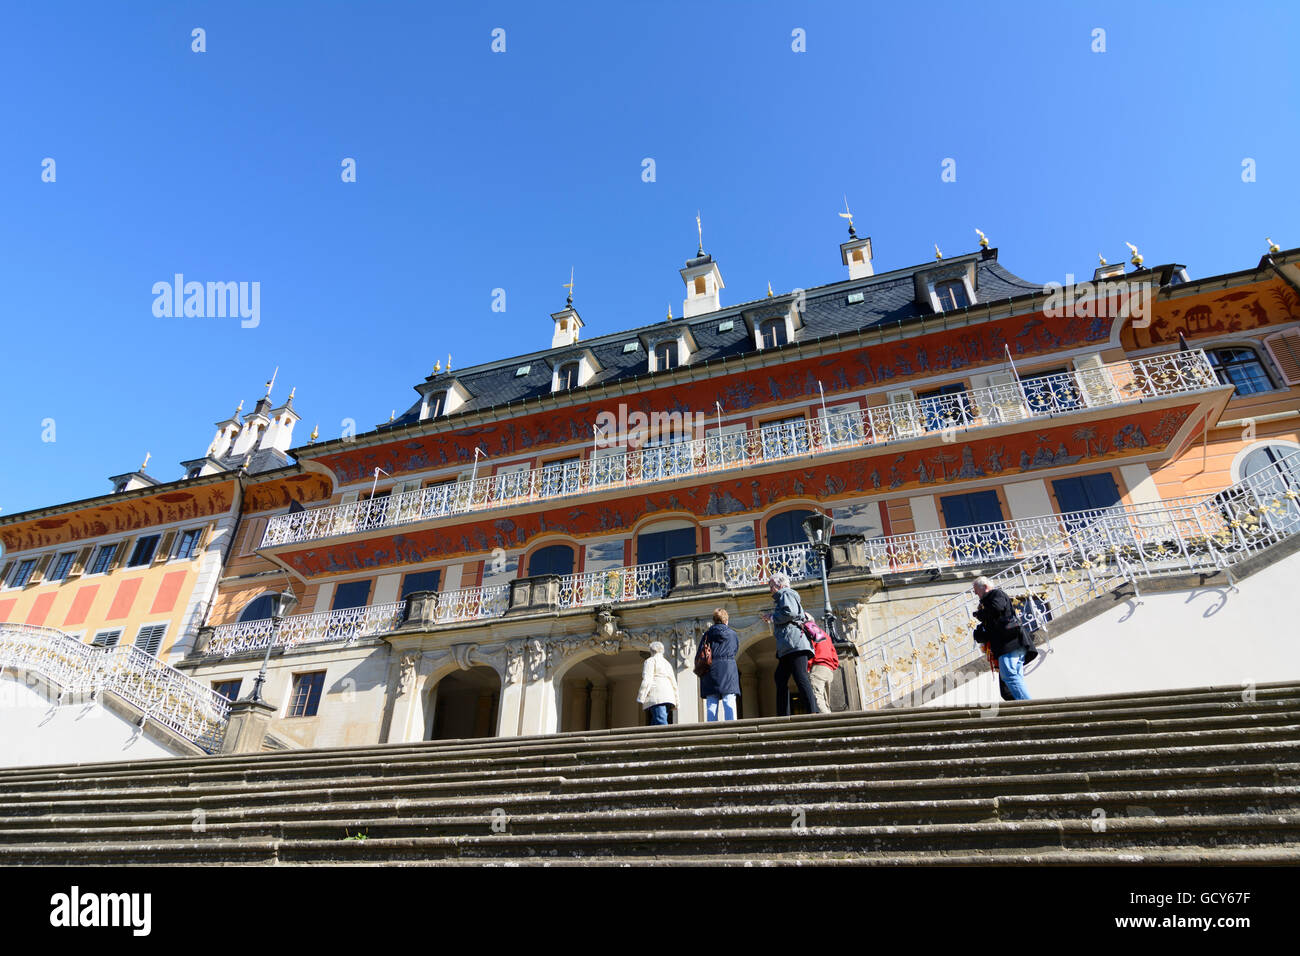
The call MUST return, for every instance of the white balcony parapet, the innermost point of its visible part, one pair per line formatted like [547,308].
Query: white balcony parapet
[1121,545]
[745,569]
[639,582]
[471,604]
[1105,386]
[159,691]
[324,627]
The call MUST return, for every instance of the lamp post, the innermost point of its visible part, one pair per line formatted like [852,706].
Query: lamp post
[281,604]
[817,528]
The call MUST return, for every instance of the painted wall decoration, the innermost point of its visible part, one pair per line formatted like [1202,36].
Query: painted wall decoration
[113,517]
[276,495]
[904,472]
[1216,313]
[893,362]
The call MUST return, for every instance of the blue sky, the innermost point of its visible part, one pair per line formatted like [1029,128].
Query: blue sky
[479,170]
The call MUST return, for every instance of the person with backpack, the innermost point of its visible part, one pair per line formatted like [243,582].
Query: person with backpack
[822,667]
[658,690]
[715,664]
[793,649]
[1000,631]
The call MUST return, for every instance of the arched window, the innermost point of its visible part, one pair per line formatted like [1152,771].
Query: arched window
[655,546]
[786,528]
[1268,461]
[567,377]
[665,356]
[1240,367]
[773,333]
[258,609]
[554,559]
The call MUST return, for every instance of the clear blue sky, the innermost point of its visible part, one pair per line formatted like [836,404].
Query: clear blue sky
[479,170]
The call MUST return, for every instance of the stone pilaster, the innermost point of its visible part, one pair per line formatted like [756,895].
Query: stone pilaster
[246,731]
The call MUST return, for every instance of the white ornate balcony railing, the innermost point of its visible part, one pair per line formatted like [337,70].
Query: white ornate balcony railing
[471,604]
[745,569]
[637,583]
[325,627]
[1107,385]
[162,693]
[1126,544]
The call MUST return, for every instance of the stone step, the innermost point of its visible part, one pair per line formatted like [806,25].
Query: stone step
[402,819]
[813,843]
[1074,735]
[1272,696]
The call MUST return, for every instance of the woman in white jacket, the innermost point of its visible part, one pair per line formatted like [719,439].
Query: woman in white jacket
[658,686]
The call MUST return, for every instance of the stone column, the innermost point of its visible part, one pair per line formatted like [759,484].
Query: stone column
[249,722]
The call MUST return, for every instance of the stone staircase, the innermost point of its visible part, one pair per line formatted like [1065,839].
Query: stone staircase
[1202,775]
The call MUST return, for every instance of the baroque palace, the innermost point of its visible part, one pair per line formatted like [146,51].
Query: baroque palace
[497,559]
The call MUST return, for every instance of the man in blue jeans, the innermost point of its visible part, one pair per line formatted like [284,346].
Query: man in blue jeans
[1001,632]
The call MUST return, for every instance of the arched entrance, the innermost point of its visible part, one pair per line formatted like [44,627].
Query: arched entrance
[757,663]
[465,704]
[599,692]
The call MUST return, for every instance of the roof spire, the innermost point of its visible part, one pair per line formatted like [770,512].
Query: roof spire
[699,228]
[145,464]
[769,288]
[1272,246]
[567,302]
[937,253]
[984,241]
[1101,259]
[846,214]
[1136,258]
[271,384]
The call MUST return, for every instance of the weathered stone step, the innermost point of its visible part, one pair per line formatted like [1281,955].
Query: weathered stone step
[397,819]
[1285,696]
[1069,736]
[861,766]
[812,842]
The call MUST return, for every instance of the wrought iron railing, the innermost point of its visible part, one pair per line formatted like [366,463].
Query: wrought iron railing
[471,604]
[1121,545]
[639,582]
[159,691]
[324,627]
[745,569]
[1106,385]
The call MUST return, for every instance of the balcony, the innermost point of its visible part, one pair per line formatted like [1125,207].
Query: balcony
[1067,393]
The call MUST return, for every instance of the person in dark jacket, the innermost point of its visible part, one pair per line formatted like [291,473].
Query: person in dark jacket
[1000,630]
[793,649]
[720,686]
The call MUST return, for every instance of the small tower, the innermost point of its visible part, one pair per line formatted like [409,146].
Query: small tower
[856,253]
[567,322]
[703,281]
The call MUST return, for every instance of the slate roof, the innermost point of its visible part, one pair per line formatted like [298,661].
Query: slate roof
[888,299]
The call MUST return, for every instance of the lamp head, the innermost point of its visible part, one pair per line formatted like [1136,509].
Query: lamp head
[283,603]
[817,528]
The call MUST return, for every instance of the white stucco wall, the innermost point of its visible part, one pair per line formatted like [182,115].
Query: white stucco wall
[34,731]
[1207,636]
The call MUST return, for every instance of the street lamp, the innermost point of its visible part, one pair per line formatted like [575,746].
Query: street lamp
[817,528]
[281,605]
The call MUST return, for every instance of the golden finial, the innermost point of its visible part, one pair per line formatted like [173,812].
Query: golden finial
[437,368]
[569,285]
[769,289]
[292,392]
[846,214]
[1273,246]
[984,242]
[670,311]
[238,408]
[145,464]
[315,432]
[1102,259]
[937,253]
[1136,258]
[211,449]
[392,415]
[448,361]
[699,228]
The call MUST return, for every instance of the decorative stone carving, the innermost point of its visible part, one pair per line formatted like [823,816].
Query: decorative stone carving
[406,679]
[514,651]
[607,623]
[463,654]
[535,651]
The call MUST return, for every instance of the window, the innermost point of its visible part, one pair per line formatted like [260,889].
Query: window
[654,546]
[104,558]
[665,356]
[561,477]
[23,573]
[699,285]
[306,694]
[1270,462]
[951,295]
[966,518]
[186,544]
[1242,368]
[784,438]
[786,528]
[555,559]
[107,638]
[420,581]
[259,609]
[351,594]
[62,564]
[228,689]
[1055,390]
[144,549]
[149,639]
[1087,494]
[437,402]
[946,407]
[193,472]
[772,333]
[567,376]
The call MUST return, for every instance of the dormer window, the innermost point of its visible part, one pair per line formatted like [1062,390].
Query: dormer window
[773,333]
[951,295]
[566,377]
[665,356]
[699,285]
[437,404]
